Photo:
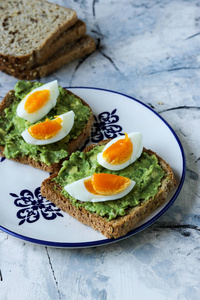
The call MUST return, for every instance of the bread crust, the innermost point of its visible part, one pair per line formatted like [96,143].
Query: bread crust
[73,145]
[64,55]
[121,225]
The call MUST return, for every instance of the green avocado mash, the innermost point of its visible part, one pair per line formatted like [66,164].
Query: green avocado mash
[145,171]
[11,126]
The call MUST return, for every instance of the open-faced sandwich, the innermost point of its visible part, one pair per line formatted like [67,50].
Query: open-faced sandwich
[42,124]
[111,186]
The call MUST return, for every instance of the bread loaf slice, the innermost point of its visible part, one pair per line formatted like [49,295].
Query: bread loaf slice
[64,55]
[70,147]
[28,29]
[69,36]
[121,225]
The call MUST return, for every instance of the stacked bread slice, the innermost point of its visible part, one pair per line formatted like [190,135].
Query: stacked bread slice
[39,37]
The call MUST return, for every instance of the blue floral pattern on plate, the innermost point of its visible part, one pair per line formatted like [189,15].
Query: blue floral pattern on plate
[105,126]
[2,159]
[33,206]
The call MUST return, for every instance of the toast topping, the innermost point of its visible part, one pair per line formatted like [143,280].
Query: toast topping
[119,152]
[48,132]
[100,187]
[36,101]
[45,130]
[106,184]
[145,175]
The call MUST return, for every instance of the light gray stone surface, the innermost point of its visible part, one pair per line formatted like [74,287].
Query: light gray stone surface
[148,50]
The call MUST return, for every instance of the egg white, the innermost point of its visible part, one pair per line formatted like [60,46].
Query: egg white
[67,124]
[43,111]
[136,139]
[78,190]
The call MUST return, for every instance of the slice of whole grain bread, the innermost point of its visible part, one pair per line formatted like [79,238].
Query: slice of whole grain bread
[70,35]
[28,29]
[64,55]
[72,146]
[121,225]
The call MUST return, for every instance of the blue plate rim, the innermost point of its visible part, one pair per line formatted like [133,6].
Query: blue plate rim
[132,232]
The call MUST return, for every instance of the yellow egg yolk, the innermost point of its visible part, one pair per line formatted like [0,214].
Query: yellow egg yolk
[45,130]
[36,100]
[119,152]
[106,184]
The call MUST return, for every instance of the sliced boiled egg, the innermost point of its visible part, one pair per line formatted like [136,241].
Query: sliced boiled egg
[36,104]
[100,187]
[49,131]
[121,151]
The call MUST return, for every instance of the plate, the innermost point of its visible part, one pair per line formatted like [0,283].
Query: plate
[26,215]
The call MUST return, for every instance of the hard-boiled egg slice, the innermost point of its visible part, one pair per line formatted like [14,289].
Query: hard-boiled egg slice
[100,187]
[121,151]
[36,104]
[48,132]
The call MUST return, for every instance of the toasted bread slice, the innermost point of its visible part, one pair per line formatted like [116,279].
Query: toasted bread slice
[28,29]
[121,225]
[64,55]
[72,145]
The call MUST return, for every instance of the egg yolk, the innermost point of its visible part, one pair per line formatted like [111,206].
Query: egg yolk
[106,184]
[36,100]
[119,152]
[45,130]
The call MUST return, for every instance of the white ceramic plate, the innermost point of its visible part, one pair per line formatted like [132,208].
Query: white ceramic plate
[26,215]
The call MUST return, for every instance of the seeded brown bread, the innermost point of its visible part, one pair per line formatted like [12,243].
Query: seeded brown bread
[121,225]
[64,55]
[70,35]
[73,145]
[28,29]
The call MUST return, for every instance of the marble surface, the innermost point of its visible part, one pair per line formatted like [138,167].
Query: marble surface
[148,50]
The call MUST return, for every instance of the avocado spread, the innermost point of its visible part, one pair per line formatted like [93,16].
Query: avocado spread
[145,171]
[11,126]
